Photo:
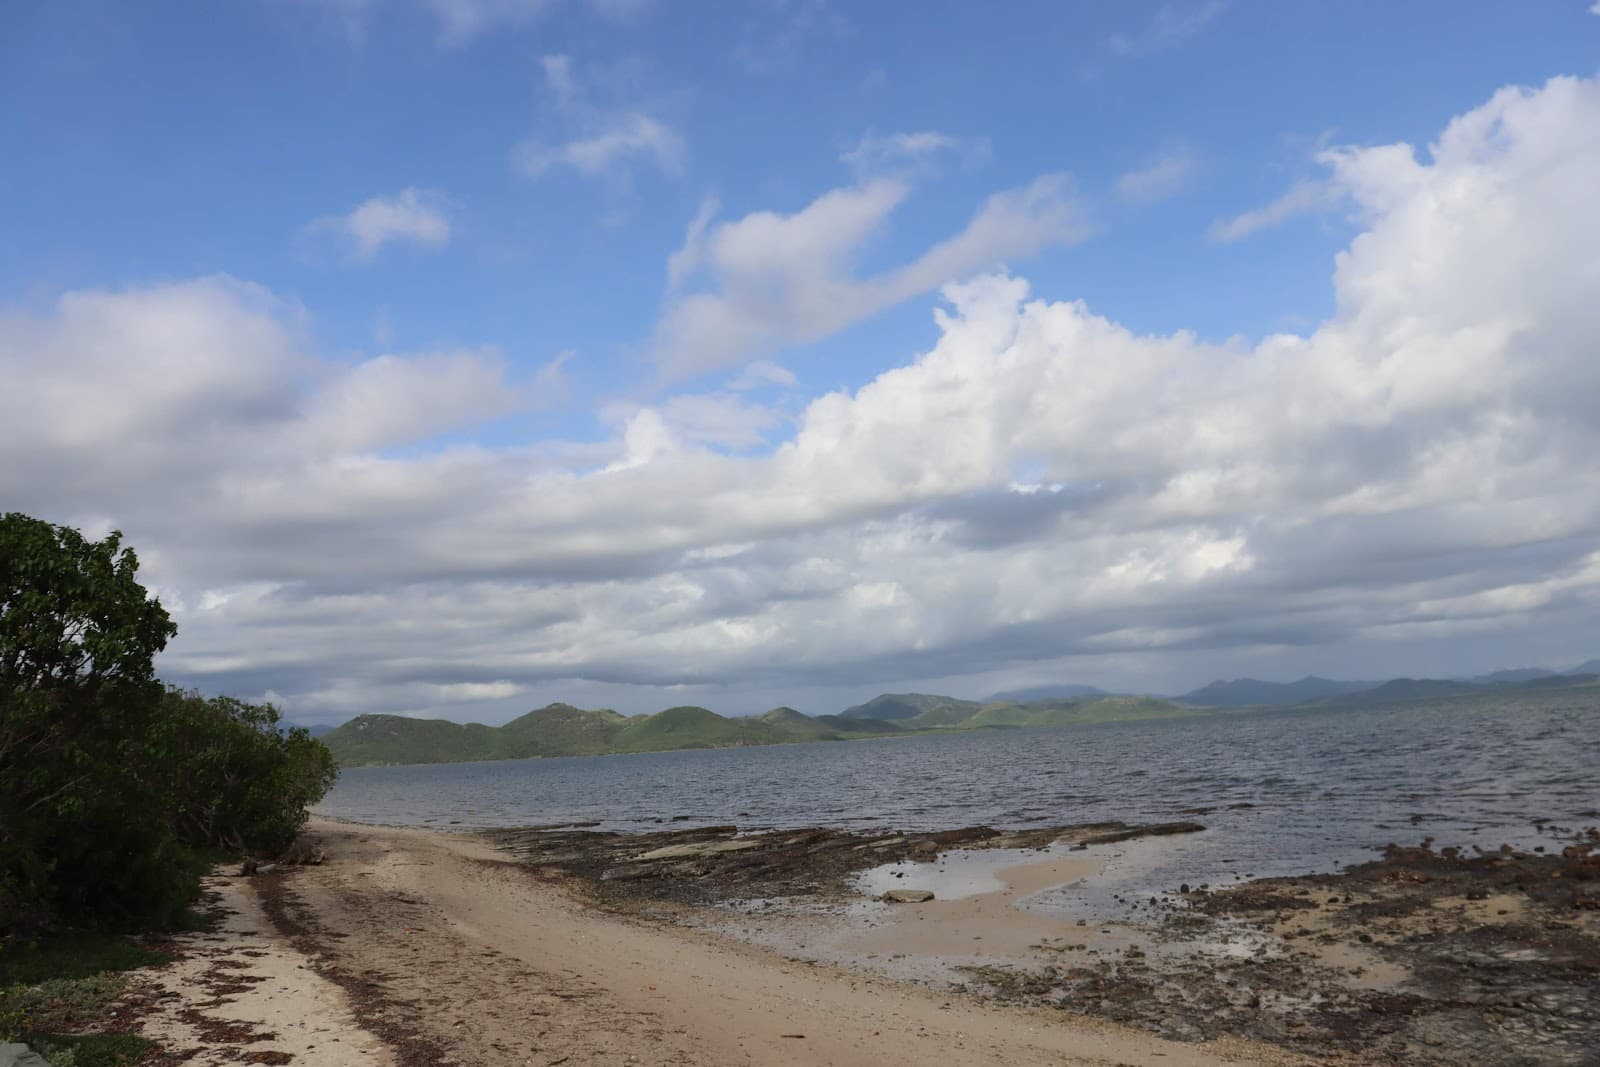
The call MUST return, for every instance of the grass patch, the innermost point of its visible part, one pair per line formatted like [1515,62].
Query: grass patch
[81,954]
[94,1050]
[53,988]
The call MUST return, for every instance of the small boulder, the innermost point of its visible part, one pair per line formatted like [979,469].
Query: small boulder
[18,1055]
[907,896]
[699,849]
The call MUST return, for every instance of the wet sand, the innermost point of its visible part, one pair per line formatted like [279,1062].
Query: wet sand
[1421,957]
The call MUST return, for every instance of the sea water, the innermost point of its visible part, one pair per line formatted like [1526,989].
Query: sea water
[1281,792]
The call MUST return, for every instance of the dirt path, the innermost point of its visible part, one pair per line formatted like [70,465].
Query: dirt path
[457,956]
[239,993]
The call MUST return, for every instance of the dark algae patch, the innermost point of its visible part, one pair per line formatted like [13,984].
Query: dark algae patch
[1421,957]
[717,864]
[377,1009]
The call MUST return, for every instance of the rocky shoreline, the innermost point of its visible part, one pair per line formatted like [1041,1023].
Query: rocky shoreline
[1423,956]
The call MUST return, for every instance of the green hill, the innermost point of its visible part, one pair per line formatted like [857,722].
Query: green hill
[797,725]
[562,730]
[369,739]
[690,727]
[849,727]
[918,709]
[1078,712]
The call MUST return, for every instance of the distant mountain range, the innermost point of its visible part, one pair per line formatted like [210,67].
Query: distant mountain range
[565,730]
[922,711]
[1048,692]
[1252,692]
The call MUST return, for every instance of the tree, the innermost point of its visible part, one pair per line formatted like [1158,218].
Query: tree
[107,779]
[73,616]
[78,698]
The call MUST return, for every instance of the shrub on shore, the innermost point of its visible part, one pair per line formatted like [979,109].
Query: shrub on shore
[109,781]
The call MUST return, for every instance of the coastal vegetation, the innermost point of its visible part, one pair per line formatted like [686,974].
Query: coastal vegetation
[116,792]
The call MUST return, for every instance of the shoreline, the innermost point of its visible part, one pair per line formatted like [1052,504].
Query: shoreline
[474,947]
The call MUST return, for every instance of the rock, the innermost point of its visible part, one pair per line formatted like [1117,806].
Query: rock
[907,896]
[698,849]
[630,873]
[15,1055]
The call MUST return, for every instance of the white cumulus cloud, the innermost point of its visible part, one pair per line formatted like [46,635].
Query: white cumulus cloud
[462,20]
[1302,198]
[411,216]
[1165,176]
[619,139]
[1043,485]
[1172,26]
[908,152]
[777,280]
[609,141]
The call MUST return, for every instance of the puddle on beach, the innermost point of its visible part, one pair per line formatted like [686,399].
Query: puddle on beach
[954,876]
[990,906]
[1012,908]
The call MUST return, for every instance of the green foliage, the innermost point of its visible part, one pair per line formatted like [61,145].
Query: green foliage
[106,778]
[78,700]
[248,784]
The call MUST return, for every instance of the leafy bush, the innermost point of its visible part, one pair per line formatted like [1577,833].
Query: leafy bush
[249,783]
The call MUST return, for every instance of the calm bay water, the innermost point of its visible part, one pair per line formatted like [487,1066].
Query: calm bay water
[1314,789]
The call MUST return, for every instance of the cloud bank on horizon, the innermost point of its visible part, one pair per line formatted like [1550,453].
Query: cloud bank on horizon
[1041,492]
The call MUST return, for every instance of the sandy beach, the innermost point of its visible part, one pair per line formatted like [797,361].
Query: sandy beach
[429,947]
[401,946]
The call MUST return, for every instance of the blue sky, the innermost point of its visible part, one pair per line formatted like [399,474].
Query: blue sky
[491,193]
[172,140]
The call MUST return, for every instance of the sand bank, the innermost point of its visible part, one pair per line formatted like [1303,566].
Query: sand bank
[453,954]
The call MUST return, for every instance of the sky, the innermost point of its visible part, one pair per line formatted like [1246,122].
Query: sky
[453,357]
